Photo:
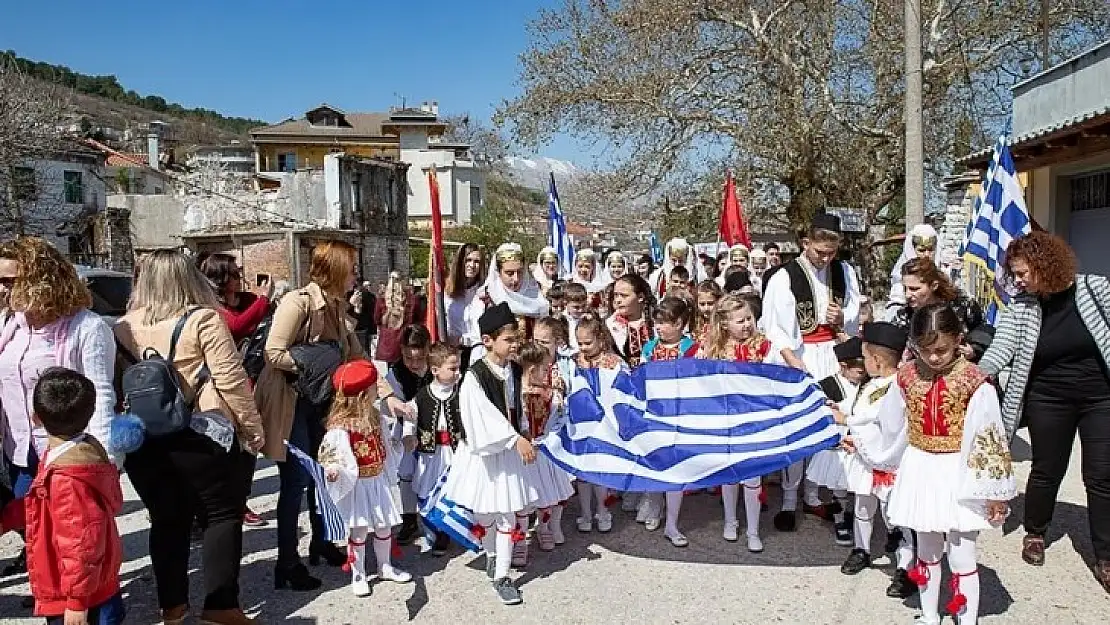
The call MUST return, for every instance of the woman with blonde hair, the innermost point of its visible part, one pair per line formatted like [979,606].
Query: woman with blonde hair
[313,316]
[49,325]
[174,473]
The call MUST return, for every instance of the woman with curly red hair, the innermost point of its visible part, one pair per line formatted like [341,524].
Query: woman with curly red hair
[1056,337]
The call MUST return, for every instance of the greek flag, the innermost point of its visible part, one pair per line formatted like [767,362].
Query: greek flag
[677,425]
[557,236]
[999,217]
[656,249]
[449,517]
[334,526]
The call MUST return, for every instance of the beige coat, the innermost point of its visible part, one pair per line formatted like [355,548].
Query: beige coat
[305,315]
[205,340]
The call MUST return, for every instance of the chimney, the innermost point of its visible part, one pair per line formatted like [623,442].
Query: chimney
[425,107]
[152,150]
[434,108]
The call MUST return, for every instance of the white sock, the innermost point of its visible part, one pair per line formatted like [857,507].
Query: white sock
[504,559]
[791,480]
[866,506]
[601,494]
[930,548]
[556,515]
[674,505]
[383,543]
[585,499]
[730,493]
[356,545]
[752,506]
[812,493]
[905,550]
[542,524]
[963,563]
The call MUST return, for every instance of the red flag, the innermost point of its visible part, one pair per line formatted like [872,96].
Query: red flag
[435,320]
[732,228]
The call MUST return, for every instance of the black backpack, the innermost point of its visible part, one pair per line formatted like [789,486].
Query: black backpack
[151,391]
[253,348]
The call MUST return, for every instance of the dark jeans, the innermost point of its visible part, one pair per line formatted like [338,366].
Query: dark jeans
[111,612]
[173,476]
[306,435]
[1053,423]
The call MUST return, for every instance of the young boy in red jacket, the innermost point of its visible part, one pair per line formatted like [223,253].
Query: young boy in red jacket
[73,546]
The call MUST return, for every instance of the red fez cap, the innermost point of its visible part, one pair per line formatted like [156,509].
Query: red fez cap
[355,376]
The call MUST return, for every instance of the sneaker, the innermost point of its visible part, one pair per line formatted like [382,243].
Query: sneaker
[1102,572]
[1032,549]
[361,588]
[857,561]
[652,524]
[731,532]
[893,541]
[391,573]
[755,544]
[900,586]
[844,533]
[643,510]
[677,539]
[585,525]
[605,522]
[508,593]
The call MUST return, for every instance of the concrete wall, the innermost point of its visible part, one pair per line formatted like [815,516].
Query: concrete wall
[156,220]
[1079,86]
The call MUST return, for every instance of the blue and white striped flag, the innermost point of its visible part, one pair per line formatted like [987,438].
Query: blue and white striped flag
[999,217]
[334,526]
[689,424]
[449,517]
[557,235]
[656,249]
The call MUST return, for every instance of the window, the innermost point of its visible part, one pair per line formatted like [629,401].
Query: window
[1090,192]
[287,162]
[392,259]
[23,184]
[74,193]
[475,198]
[388,191]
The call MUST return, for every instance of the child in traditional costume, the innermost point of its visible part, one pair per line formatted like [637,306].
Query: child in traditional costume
[406,377]
[355,457]
[942,432]
[595,351]
[827,467]
[489,474]
[671,317]
[734,335]
[577,305]
[707,295]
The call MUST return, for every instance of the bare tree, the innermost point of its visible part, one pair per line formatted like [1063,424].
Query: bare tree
[487,145]
[31,116]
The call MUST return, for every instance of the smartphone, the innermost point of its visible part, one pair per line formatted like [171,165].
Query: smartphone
[262,277]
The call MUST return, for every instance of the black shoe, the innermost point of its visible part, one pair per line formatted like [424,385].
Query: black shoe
[786,521]
[442,543]
[893,541]
[294,577]
[857,561]
[18,566]
[410,528]
[328,552]
[844,533]
[900,586]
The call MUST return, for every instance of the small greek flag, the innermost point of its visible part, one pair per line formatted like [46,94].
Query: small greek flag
[677,425]
[999,217]
[557,235]
[335,528]
[450,518]
[656,249]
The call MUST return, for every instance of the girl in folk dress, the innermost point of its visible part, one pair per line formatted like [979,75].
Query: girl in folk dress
[734,335]
[355,458]
[588,274]
[707,295]
[943,433]
[595,351]
[671,317]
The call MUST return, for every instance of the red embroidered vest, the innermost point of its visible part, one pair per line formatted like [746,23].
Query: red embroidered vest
[936,406]
[369,451]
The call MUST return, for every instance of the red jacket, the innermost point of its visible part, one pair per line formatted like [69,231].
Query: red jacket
[243,320]
[73,546]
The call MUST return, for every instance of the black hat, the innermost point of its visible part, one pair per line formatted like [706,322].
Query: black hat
[495,318]
[852,349]
[736,280]
[886,335]
[825,221]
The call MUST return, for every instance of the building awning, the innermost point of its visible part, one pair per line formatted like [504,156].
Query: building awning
[1074,137]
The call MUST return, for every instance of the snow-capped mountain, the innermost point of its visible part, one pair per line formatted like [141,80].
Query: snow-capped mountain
[534,172]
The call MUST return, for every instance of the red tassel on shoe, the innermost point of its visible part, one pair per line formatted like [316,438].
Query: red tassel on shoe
[610,500]
[518,535]
[762,495]
[959,600]
[919,574]
[478,531]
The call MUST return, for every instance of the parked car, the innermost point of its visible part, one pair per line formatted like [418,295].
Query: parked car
[111,290]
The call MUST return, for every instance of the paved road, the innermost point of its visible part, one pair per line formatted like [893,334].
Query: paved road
[633,576]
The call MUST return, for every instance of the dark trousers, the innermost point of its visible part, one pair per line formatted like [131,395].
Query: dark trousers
[173,475]
[111,612]
[1053,423]
[306,435]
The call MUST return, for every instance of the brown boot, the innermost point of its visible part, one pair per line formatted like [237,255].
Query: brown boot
[1032,549]
[1102,571]
[226,617]
[175,615]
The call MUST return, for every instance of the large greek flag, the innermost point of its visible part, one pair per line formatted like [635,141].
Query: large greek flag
[557,235]
[689,424]
[999,217]
[334,527]
[449,517]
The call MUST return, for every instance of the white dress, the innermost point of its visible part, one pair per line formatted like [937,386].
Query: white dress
[943,492]
[487,474]
[865,429]
[827,467]
[780,319]
[372,502]
[551,483]
[429,468]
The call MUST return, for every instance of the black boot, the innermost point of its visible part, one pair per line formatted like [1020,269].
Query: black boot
[328,552]
[294,577]
[857,561]
[410,528]
[900,586]
[786,521]
[893,540]
[442,543]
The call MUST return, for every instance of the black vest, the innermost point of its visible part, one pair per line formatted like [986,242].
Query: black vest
[427,419]
[494,388]
[802,288]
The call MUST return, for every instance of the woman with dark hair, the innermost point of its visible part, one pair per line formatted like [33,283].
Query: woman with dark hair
[242,310]
[644,266]
[406,376]
[468,272]
[1055,338]
[923,284]
[630,324]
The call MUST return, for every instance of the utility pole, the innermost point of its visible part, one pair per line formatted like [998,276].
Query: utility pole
[1044,35]
[915,149]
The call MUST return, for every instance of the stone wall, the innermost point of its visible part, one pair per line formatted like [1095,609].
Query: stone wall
[962,190]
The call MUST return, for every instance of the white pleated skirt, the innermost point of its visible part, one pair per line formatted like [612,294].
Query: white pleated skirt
[429,468]
[552,484]
[374,502]
[494,484]
[826,468]
[820,359]
[925,495]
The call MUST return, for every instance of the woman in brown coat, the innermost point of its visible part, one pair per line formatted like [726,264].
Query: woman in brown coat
[312,314]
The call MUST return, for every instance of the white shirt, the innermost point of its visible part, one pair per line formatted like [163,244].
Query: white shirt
[780,318]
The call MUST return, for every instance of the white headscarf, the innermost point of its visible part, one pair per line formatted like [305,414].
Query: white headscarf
[606,275]
[527,300]
[919,233]
[663,273]
[537,271]
[597,282]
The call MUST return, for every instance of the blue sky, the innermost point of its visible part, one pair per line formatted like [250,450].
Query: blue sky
[276,59]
